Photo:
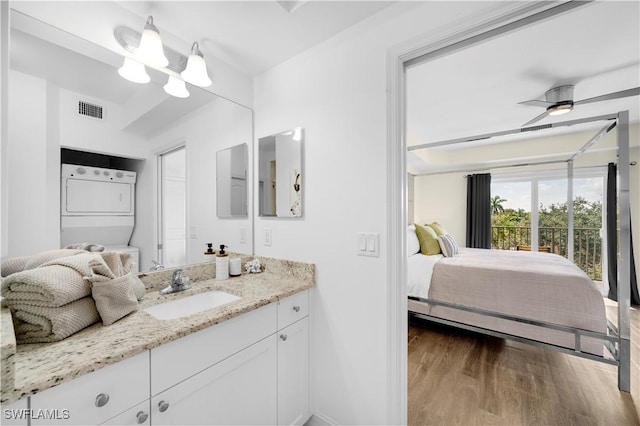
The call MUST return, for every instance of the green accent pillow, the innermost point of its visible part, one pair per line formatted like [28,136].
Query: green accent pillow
[439,229]
[428,239]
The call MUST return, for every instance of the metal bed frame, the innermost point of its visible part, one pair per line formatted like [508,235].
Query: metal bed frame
[617,339]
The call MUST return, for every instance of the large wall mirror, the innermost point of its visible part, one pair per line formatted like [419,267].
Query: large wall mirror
[51,71]
[231,181]
[280,186]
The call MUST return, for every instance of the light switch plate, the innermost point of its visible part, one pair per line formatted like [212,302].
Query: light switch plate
[369,244]
[267,237]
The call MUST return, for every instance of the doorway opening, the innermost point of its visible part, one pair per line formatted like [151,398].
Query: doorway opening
[172,208]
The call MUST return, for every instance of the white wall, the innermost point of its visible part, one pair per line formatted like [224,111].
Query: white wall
[27,182]
[443,199]
[337,93]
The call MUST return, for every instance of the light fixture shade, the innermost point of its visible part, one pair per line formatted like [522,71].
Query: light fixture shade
[176,87]
[150,50]
[560,109]
[196,70]
[134,71]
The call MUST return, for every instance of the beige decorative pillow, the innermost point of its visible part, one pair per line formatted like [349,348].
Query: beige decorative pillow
[115,298]
[440,231]
[428,239]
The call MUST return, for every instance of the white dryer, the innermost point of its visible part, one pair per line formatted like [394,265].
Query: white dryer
[97,205]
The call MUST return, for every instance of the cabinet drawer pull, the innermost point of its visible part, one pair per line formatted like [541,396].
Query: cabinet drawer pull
[296,308]
[102,399]
[163,406]
[142,417]
[283,337]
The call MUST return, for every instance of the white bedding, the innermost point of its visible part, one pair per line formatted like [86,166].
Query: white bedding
[420,270]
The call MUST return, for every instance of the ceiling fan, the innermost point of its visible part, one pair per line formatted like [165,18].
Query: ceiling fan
[559,100]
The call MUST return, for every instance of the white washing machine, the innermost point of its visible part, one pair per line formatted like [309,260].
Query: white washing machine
[97,205]
[134,251]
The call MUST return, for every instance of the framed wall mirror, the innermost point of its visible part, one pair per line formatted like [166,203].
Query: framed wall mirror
[280,174]
[231,181]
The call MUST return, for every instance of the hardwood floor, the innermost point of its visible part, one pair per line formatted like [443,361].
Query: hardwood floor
[462,378]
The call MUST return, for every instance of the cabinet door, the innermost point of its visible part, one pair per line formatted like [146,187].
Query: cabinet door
[95,397]
[293,373]
[237,390]
[138,415]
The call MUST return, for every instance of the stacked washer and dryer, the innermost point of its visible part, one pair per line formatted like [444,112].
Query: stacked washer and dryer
[98,207]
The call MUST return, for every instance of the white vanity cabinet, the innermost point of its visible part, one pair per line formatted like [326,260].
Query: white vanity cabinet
[96,397]
[225,374]
[293,360]
[252,369]
[239,390]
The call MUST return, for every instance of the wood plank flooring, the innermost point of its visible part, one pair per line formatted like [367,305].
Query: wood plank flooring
[462,378]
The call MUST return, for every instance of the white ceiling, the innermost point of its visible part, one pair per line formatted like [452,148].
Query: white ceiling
[476,91]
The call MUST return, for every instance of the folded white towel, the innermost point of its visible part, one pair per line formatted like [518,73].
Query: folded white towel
[38,324]
[53,283]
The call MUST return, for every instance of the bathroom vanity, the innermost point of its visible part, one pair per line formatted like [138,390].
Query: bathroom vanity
[244,362]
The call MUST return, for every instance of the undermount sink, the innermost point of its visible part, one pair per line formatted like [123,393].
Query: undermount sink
[191,304]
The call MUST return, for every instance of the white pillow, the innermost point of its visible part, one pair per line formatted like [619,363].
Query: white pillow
[413,245]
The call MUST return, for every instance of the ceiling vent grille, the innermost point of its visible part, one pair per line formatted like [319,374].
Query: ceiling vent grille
[89,110]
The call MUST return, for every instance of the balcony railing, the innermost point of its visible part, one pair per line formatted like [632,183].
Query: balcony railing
[587,244]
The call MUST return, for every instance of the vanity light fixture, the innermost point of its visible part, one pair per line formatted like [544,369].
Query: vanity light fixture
[176,87]
[133,70]
[151,51]
[196,70]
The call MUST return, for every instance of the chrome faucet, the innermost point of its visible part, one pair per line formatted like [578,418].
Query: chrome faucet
[156,265]
[178,283]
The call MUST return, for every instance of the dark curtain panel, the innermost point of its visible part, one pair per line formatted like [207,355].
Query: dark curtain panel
[612,241]
[479,211]
[612,231]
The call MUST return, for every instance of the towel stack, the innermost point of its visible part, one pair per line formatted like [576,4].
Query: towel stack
[60,292]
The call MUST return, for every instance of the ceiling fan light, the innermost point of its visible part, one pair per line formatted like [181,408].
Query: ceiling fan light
[133,70]
[150,50]
[176,87]
[560,109]
[196,70]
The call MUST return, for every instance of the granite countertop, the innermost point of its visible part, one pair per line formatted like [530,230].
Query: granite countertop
[28,369]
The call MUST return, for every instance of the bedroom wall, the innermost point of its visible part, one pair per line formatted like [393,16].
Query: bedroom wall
[337,93]
[443,199]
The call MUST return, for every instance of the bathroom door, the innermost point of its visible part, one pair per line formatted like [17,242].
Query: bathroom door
[172,248]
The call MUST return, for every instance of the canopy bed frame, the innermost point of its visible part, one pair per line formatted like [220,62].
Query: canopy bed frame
[616,339]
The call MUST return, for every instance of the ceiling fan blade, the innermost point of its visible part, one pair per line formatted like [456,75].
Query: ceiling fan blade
[615,95]
[536,102]
[538,118]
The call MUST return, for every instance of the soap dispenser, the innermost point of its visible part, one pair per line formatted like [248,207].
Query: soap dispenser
[209,254]
[222,264]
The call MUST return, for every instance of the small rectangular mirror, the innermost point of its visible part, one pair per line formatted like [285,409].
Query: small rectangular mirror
[231,181]
[280,174]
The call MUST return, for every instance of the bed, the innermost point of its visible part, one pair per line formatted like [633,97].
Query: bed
[537,297]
